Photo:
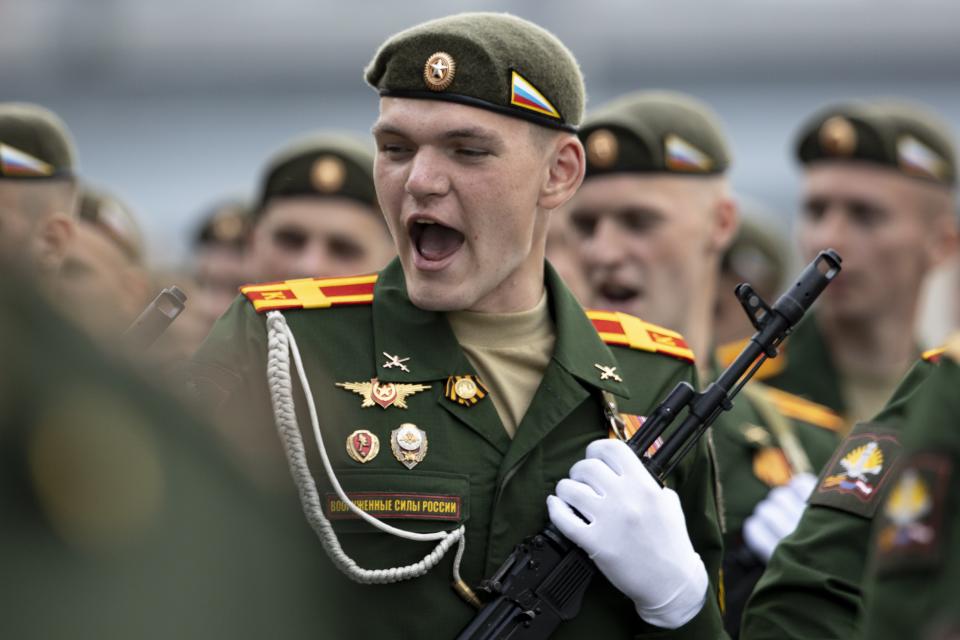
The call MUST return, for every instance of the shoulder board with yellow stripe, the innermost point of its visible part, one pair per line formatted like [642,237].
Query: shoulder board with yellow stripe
[629,331]
[798,408]
[310,293]
[727,353]
[933,355]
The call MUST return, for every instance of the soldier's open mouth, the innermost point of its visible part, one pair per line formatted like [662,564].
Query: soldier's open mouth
[434,241]
[618,293]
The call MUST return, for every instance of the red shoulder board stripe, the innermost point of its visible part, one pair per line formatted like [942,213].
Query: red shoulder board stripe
[310,293]
[629,331]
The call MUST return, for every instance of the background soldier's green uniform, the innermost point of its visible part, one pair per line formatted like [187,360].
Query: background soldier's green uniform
[757,445]
[665,133]
[891,135]
[912,587]
[498,485]
[121,516]
[812,587]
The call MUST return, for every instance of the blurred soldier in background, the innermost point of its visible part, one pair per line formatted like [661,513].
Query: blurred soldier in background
[218,266]
[121,517]
[103,284]
[219,258]
[38,192]
[317,213]
[562,254]
[760,255]
[879,187]
[654,216]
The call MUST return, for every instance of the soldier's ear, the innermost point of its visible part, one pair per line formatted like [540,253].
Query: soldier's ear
[565,171]
[53,238]
[726,221]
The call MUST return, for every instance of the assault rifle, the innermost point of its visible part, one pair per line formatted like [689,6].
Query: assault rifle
[543,581]
[155,319]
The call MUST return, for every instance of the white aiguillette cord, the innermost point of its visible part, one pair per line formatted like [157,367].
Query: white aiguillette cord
[280,344]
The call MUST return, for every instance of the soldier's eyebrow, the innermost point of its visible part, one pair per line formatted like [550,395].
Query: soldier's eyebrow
[479,134]
[382,129]
[473,133]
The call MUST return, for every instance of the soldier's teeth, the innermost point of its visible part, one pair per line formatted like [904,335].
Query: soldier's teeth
[426,222]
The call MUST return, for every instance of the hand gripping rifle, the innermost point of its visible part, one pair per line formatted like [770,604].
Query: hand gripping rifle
[543,581]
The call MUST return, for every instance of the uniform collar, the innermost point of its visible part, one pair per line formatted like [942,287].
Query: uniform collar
[404,330]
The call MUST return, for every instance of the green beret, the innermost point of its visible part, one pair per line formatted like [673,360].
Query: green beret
[760,253]
[655,132]
[493,61]
[320,165]
[34,143]
[901,136]
[113,218]
[226,223]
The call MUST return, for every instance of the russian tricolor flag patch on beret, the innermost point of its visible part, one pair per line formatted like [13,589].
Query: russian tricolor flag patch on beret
[525,95]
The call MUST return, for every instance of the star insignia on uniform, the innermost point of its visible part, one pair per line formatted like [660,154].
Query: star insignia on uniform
[608,373]
[395,361]
[385,394]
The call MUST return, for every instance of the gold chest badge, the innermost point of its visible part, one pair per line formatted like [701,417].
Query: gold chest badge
[465,390]
[363,445]
[385,394]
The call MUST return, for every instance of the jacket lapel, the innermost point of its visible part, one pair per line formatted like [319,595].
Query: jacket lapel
[423,343]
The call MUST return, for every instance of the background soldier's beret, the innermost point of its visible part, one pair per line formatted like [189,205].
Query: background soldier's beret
[901,136]
[113,218]
[227,223]
[320,165]
[655,132]
[489,60]
[759,254]
[34,143]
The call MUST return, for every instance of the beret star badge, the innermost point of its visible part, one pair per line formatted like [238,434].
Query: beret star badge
[328,174]
[602,148]
[439,71]
[838,137]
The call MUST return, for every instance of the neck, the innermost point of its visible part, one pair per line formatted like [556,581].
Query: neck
[881,345]
[522,289]
[698,331]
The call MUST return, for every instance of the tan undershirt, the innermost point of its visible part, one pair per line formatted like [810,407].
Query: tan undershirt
[866,395]
[510,351]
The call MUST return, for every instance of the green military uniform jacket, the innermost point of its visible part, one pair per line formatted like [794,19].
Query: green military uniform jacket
[912,587]
[472,473]
[812,587]
[751,461]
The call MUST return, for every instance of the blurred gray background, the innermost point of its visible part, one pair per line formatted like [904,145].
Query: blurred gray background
[177,103]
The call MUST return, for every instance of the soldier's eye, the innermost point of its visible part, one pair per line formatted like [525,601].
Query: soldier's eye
[639,220]
[866,214]
[395,150]
[472,152]
[345,249]
[585,225]
[814,209]
[290,239]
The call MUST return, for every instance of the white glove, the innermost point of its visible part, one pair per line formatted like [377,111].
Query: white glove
[777,515]
[634,531]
